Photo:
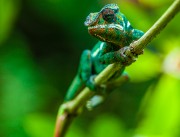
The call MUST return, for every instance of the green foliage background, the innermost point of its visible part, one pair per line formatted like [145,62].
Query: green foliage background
[40,46]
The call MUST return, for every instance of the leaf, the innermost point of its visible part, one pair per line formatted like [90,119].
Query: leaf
[162,113]
[135,15]
[154,3]
[20,83]
[76,131]
[107,126]
[146,67]
[39,125]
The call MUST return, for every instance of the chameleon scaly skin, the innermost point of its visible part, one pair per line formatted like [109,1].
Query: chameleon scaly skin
[115,33]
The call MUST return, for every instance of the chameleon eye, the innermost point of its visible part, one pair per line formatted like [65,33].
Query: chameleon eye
[108,15]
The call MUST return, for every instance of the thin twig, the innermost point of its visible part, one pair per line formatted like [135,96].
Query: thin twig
[69,109]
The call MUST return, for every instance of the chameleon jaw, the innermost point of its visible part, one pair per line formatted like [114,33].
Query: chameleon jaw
[99,31]
[108,26]
[98,36]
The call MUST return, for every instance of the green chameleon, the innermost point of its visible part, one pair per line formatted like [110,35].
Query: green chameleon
[115,33]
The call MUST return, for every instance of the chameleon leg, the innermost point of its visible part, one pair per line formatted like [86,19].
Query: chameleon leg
[83,75]
[117,56]
[137,34]
[85,70]
[83,78]
[106,89]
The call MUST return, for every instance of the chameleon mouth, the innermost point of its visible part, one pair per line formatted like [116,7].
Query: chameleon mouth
[100,37]
[109,26]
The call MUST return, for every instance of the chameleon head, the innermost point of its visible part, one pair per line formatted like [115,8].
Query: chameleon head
[107,25]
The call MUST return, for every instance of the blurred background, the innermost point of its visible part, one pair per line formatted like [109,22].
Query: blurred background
[40,45]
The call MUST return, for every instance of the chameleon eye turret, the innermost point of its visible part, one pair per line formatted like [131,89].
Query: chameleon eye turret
[107,12]
[110,25]
[108,15]
[107,25]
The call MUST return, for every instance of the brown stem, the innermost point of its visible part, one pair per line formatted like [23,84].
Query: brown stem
[62,124]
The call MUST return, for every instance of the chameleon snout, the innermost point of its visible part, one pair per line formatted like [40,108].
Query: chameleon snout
[91,19]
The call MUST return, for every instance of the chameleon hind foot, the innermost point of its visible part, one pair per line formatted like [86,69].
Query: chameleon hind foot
[94,101]
[95,87]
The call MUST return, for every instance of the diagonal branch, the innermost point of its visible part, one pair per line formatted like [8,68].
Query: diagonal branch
[159,25]
[70,109]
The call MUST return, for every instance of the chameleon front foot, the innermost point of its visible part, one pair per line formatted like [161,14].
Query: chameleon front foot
[127,60]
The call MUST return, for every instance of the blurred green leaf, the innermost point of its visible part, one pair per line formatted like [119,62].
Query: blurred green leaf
[162,112]
[19,76]
[147,66]
[8,13]
[76,131]
[20,83]
[107,126]
[137,16]
[169,44]
[39,125]
[154,3]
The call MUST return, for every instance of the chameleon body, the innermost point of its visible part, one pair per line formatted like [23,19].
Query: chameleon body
[115,33]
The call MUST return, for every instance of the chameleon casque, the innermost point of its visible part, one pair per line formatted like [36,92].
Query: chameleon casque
[115,33]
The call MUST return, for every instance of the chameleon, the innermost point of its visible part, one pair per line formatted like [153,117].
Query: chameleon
[115,34]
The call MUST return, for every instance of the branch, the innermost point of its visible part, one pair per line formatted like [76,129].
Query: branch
[160,24]
[70,109]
